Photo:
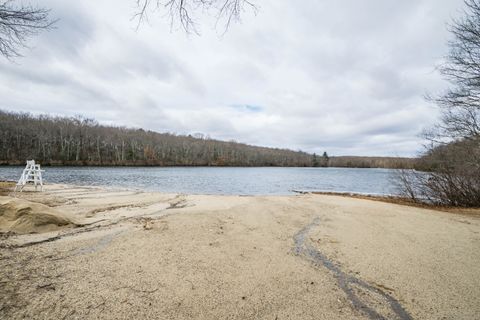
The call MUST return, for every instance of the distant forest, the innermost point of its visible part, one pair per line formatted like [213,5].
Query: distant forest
[81,141]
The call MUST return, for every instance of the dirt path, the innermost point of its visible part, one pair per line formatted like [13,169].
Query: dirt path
[152,255]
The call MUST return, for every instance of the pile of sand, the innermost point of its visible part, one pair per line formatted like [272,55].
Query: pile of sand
[6,187]
[22,216]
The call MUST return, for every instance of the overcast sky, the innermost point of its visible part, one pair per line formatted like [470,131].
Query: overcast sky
[345,76]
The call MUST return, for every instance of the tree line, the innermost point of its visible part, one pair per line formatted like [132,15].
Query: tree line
[83,141]
[373,162]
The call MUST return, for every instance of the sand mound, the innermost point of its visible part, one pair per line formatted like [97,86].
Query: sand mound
[6,187]
[22,216]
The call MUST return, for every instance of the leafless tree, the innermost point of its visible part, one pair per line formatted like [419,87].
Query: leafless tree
[452,158]
[80,141]
[182,12]
[461,103]
[19,22]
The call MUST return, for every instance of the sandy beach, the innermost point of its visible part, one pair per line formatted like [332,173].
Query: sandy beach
[94,253]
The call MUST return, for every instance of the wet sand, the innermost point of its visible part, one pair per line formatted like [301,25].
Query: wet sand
[133,254]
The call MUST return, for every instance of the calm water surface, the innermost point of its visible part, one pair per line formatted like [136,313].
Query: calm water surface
[208,180]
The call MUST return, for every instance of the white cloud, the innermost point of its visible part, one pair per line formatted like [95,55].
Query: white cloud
[346,76]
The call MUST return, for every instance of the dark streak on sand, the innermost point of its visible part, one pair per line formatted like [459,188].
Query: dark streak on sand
[100,244]
[347,282]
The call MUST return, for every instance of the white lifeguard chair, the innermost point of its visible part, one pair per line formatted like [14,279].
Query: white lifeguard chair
[31,173]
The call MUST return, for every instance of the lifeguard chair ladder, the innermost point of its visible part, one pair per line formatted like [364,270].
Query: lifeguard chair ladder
[31,173]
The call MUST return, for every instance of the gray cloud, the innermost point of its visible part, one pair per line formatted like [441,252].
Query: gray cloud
[347,76]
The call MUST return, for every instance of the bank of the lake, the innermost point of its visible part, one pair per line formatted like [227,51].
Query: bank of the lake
[133,254]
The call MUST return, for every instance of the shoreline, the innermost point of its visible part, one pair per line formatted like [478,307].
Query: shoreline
[145,164]
[393,199]
[125,253]
[404,202]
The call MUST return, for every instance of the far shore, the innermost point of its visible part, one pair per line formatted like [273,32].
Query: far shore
[105,253]
[353,162]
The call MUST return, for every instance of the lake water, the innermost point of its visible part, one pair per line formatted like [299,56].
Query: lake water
[215,180]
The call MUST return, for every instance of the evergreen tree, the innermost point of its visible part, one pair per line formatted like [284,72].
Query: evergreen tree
[315,162]
[325,159]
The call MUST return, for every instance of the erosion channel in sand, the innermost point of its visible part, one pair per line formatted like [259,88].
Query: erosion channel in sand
[83,252]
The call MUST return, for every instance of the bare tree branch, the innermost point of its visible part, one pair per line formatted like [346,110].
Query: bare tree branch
[452,160]
[17,24]
[460,104]
[181,12]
